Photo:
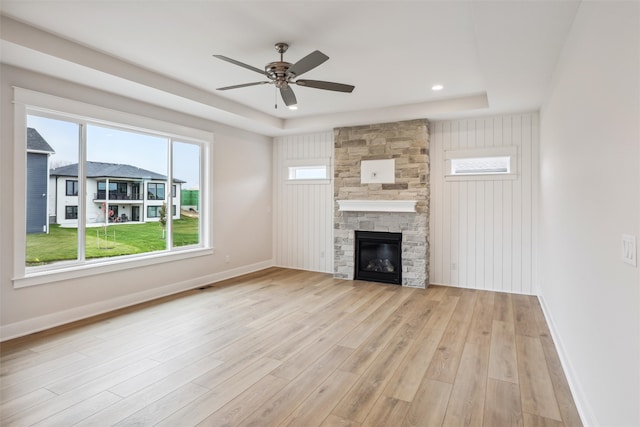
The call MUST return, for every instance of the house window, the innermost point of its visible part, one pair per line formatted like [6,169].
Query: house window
[155,191]
[173,190]
[480,165]
[72,187]
[153,211]
[490,163]
[70,212]
[308,171]
[117,155]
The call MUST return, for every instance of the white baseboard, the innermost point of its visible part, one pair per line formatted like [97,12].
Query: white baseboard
[37,324]
[582,403]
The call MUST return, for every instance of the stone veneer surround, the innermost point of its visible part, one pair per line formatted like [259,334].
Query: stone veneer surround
[408,143]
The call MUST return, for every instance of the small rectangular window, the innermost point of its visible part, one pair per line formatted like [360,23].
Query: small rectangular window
[486,163]
[480,165]
[308,172]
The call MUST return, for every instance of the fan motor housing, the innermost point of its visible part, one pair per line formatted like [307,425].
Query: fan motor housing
[277,71]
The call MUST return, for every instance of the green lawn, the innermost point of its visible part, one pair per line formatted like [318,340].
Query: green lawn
[61,243]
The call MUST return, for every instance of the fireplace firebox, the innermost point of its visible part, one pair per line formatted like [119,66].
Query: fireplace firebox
[378,257]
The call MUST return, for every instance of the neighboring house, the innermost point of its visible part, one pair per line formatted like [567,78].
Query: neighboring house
[38,152]
[123,192]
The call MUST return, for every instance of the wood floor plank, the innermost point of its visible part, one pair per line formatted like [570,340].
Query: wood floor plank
[429,405]
[64,401]
[503,361]
[275,410]
[80,411]
[503,307]
[536,388]
[361,397]
[147,396]
[482,318]
[292,347]
[242,406]
[23,403]
[336,421]
[387,411]
[503,407]
[566,404]
[444,364]
[195,411]
[322,400]
[162,408]
[531,420]
[525,322]
[466,403]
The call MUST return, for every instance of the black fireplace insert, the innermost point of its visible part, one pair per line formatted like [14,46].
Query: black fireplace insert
[378,257]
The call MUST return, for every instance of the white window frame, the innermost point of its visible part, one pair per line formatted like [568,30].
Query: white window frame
[474,153]
[26,101]
[302,163]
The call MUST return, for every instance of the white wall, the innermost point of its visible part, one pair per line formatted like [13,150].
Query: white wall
[303,225]
[242,183]
[589,197]
[482,232]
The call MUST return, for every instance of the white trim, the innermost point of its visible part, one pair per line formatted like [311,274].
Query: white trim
[25,327]
[377,205]
[587,415]
[75,269]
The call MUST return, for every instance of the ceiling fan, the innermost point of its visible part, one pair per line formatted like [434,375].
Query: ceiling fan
[284,74]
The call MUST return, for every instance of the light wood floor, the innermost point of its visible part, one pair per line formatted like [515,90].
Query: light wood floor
[294,348]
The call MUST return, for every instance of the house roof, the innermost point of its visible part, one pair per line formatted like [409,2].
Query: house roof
[35,142]
[111,170]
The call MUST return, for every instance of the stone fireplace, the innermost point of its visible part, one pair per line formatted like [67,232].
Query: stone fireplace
[398,207]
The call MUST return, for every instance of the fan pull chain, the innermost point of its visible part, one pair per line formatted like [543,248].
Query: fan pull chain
[275,98]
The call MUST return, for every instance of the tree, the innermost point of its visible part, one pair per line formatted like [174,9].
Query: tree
[163,217]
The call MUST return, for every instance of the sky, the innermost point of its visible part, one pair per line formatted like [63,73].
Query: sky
[111,145]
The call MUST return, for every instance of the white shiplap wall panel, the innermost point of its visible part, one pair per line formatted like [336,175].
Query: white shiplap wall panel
[481,231]
[303,217]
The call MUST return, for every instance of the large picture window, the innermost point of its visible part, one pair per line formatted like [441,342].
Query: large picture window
[103,168]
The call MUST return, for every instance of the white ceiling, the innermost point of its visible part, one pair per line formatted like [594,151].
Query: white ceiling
[491,57]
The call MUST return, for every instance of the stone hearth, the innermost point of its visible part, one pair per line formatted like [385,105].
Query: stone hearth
[408,143]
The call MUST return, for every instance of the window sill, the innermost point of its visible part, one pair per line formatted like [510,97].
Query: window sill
[92,268]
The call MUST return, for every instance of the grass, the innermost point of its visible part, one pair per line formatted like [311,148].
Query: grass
[61,244]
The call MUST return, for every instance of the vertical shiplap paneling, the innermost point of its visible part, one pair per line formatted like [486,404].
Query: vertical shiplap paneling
[482,231]
[303,217]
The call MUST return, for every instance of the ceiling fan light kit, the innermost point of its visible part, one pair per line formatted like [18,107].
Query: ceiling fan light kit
[284,74]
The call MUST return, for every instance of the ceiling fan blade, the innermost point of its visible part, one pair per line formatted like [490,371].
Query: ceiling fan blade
[242,85]
[241,64]
[318,84]
[307,63]
[288,96]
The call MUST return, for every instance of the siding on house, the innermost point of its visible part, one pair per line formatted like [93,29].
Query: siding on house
[37,169]
[38,151]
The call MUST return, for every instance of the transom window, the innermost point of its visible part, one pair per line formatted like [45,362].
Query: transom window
[308,171]
[487,163]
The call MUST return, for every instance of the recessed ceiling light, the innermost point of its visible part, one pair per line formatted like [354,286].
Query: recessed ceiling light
[437,87]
